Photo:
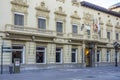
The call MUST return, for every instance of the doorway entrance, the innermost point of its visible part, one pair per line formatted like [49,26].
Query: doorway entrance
[18,52]
[88,57]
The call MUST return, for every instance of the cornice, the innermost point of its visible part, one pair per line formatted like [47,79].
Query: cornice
[20,3]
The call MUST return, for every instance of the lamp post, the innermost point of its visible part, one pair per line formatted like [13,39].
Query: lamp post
[116,45]
[1,55]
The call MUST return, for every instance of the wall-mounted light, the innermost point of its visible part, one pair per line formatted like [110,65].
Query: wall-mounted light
[7,34]
[33,37]
[82,27]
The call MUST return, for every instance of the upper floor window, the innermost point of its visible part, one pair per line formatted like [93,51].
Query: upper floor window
[74,29]
[59,27]
[108,35]
[19,19]
[117,36]
[42,23]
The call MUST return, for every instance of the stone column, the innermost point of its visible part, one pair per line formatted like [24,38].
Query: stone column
[83,55]
[30,52]
[95,55]
[51,53]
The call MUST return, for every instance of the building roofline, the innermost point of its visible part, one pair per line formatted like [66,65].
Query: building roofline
[99,8]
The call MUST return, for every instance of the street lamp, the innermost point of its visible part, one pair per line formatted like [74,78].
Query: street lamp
[116,45]
[2,54]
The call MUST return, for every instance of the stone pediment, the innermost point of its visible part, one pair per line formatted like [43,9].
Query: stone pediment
[61,0]
[60,12]
[75,15]
[75,3]
[87,16]
[42,7]
[109,23]
[19,6]
[20,2]
[117,25]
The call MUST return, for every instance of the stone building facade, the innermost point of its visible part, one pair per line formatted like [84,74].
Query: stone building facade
[58,33]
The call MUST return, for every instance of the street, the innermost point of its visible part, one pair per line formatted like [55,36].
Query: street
[97,73]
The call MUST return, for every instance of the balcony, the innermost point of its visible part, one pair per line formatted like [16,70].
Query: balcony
[23,30]
[76,36]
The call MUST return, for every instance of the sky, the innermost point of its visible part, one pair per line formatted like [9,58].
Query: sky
[103,3]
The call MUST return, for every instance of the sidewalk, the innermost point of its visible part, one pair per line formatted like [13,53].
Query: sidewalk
[98,73]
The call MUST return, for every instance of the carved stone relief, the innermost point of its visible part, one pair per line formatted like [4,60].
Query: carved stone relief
[87,18]
[75,3]
[60,15]
[61,0]
[75,18]
[19,6]
[109,24]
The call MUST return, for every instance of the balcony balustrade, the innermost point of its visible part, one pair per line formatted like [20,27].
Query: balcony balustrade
[29,31]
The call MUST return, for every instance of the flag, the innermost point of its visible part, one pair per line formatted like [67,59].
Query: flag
[95,26]
[98,26]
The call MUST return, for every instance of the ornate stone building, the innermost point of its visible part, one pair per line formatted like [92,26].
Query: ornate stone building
[58,33]
[115,7]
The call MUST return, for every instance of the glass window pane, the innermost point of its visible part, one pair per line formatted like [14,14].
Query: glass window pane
[41,23]
[108,35]
[74,29]
[19,19]
[59,26]
[58,55]
[40,54]
[73,55]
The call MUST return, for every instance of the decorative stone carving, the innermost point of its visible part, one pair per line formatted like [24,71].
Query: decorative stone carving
[61,0]
[75,18]
[60,12]
[75,3]
[19,6]
[60,40]
[42,10]
[109,23]
[87,18]
[60,15]
[117,25]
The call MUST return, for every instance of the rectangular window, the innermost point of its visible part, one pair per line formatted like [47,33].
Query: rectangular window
[40,55]
[108,35]
[59,27]
[108,56]
[117,36]
[19,19]
[18,52]
[74,55]
[98,56]
[58,55]
[74,29]
[41,23]
[99,34]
